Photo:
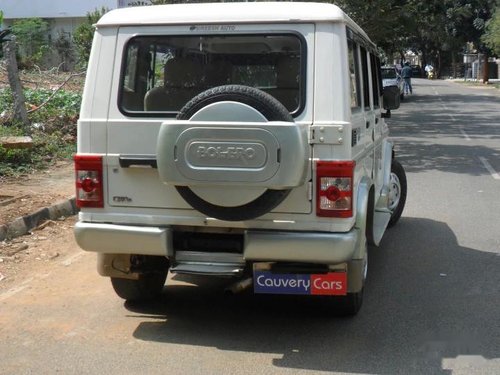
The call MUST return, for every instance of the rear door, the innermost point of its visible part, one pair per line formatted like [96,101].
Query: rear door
[380,129]
[150,90]
[361,113]
[368,111]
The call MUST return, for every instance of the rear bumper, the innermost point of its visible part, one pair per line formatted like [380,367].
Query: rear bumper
[308,247]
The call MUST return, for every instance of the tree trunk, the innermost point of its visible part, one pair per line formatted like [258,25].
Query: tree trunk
[486,68]
[20,113]
[437,72]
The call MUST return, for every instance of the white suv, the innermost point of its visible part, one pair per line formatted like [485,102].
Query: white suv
[242,140]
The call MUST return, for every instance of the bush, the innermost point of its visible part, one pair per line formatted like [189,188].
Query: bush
[53,130]
[31,37]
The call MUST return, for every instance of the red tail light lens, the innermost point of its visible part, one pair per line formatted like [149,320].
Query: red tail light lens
[334,190]
[88,173]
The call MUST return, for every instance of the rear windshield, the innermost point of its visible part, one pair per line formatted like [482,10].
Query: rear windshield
[388,73]
[161,74]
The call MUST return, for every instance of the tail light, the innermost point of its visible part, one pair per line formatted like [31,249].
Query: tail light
[334,190]
[88,173]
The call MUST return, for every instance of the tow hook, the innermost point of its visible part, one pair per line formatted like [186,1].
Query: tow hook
[239,286]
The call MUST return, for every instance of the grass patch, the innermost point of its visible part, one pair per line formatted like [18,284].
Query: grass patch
[53,130]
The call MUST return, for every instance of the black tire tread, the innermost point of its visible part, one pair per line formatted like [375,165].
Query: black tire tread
[266,104]
[398,169]
[258,207]
[147,287]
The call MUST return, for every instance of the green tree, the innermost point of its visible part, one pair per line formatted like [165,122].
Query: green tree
[381,19]
[438,30]
[31,37]
[84,34]
[491,37]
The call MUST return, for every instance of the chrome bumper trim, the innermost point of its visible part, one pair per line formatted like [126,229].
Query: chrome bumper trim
[122,239]
[307,247]
[321,248]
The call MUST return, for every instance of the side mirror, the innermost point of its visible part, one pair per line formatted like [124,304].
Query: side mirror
[391,98]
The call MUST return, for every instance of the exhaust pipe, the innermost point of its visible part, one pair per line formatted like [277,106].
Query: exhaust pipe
[239,286]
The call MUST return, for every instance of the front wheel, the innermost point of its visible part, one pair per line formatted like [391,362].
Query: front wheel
[397,192]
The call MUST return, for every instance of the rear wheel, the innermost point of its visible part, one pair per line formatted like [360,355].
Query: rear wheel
[147,287]
[397,192]
[350,304]
[152,272]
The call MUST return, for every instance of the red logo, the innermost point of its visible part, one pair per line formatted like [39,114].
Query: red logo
[334,283]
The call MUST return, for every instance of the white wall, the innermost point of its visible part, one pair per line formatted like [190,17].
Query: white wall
[52,8]
[64,24]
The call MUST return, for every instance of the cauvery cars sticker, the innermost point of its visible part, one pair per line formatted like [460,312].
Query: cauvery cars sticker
[334,283]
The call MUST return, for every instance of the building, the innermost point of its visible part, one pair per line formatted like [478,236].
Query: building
[62,16]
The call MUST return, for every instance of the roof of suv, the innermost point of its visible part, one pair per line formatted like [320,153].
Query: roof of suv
[228,13]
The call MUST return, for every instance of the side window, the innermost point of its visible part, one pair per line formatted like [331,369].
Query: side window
[131,69]
[159,56]
[354,75]
[374,62]
[366,85]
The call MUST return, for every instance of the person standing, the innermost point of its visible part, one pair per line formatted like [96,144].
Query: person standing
[406,74]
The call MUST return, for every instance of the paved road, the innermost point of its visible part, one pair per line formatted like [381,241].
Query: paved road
[432,303]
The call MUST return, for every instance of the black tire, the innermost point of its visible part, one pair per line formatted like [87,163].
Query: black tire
[266,104]
[147,287]
[272,110]
[398,186]
[258,207]
[349,305]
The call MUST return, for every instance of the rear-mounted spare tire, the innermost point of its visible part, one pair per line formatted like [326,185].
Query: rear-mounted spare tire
[272,110]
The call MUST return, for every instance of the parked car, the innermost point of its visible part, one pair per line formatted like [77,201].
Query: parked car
[416,71]
[236,140]
[391,77]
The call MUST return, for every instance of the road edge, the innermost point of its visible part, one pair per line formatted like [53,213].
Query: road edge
[24,224]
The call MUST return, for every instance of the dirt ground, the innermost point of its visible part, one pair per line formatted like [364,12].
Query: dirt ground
[52,79]
[26,194]
[21,257]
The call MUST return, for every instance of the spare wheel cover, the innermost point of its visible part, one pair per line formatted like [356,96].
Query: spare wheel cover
[272,110]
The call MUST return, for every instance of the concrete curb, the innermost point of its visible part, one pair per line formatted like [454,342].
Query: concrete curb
[24,224]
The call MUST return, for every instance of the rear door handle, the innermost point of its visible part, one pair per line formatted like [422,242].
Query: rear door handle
[127,161]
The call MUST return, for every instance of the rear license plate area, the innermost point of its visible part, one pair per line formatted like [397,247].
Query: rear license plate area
[331,283]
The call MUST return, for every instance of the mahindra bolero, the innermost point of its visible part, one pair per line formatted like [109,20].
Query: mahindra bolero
[237,140]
